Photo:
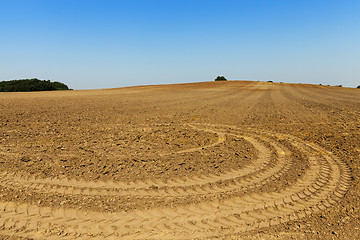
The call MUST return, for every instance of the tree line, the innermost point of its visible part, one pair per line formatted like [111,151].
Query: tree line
[29,85]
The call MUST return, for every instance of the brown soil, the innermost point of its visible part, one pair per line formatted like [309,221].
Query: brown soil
[216,160]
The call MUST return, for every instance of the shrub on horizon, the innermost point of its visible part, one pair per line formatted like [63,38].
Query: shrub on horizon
[358,86]
[220,78]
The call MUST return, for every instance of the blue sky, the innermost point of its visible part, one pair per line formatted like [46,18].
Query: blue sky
[107,43]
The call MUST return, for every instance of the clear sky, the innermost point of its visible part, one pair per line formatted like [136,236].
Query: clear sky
[113,43]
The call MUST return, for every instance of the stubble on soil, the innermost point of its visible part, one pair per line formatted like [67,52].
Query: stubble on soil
[217,160]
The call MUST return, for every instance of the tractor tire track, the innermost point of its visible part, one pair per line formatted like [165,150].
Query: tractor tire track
[323,184]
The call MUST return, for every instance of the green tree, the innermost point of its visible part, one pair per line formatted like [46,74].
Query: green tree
[220,78]
[28,85]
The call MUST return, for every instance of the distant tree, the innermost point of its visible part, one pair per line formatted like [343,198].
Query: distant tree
[220,78]
[29,85]
[358,86]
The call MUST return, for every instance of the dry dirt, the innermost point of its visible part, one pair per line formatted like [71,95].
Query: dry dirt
[216,160]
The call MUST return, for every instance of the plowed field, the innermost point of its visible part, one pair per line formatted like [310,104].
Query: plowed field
[216,160]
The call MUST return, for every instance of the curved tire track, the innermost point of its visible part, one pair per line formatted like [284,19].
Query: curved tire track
[321,186]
